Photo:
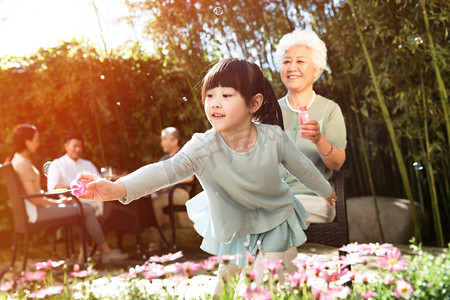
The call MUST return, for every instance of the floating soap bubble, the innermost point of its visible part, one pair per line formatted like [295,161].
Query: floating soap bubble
[185,99]
[45,168]
[418,40]
[417,165]
[218,10]
[102,77]
[118,103]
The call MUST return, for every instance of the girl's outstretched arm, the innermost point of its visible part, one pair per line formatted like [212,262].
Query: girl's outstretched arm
[100,189]
[304,170]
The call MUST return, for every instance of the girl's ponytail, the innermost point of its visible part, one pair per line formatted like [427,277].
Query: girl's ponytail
[270,111]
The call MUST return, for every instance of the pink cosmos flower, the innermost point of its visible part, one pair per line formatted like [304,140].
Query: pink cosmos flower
[392,261]
[273,266]
[50,291]
[252,274]
[367,294]
[316,292]
[188,267]
[228,257]
[78,188]
[49,264]
[210,264]
[33,276]
[166,258]
[76,267]
[352,258]
[364,278]
[352,247]
[6,286]
[299,278]
[82,273]
[250,258]
[389,279]
[339,292]
[380,249]
[154,273]
[133,272]
[179,278]
[337,277]
[403,289]
[258,294]
[317,260]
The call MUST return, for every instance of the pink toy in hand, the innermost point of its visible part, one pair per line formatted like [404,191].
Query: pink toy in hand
[78,188]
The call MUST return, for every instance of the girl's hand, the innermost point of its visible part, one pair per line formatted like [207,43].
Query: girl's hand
[311,131]
[333,198]
[100,189]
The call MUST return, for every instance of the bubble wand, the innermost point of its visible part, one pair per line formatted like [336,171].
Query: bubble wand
[77,188]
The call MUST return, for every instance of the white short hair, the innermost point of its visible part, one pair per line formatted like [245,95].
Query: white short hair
[309,39]
[172,131]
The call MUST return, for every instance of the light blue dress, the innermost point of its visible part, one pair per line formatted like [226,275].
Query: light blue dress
[244,198]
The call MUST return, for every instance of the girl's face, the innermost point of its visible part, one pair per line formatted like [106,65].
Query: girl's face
[227,110]
[33,144]
[297,71]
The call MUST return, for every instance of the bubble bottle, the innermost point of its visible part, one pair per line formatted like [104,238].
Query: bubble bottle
[78,188]
[303,114]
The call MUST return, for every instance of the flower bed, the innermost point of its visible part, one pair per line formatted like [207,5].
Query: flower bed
[419,276]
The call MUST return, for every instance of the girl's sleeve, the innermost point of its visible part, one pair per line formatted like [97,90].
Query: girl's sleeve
[302,167]
[153,177]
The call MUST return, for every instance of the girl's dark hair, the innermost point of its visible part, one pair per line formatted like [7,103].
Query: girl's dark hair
[246,78]
[22,133]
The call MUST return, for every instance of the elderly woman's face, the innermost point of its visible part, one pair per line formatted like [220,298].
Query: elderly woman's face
[297,71]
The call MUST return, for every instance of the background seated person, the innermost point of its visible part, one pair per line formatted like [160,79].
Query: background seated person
[170,144]
[26,143]
[65,169]
[301,57]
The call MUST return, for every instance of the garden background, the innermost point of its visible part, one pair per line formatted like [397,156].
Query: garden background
[387,69]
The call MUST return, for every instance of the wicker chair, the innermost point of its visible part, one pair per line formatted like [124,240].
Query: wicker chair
[21,225]
[334,234]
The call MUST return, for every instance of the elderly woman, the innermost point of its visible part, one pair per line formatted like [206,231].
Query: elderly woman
[301,57]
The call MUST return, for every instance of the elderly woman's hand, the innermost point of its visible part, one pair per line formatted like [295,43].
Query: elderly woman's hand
[311,131]
[332,198]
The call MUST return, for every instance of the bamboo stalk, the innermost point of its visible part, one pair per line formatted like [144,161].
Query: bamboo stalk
[430,175]
[445,189]
[390,127]
[366,159]
[417,177]
[442,90]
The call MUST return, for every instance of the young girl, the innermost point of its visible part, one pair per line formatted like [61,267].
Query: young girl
[236,162]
